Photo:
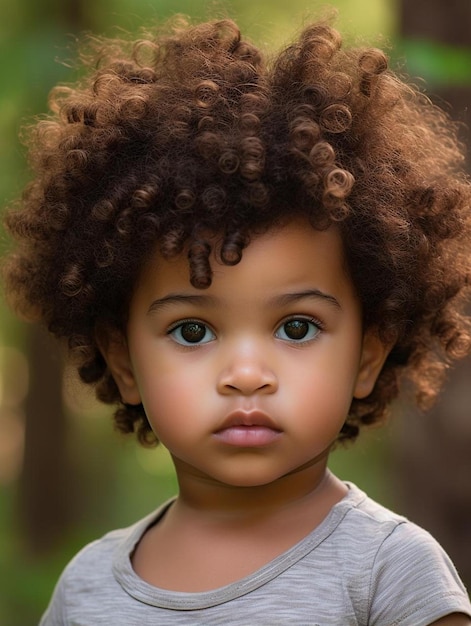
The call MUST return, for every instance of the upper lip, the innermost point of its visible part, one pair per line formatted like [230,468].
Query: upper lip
[248,418]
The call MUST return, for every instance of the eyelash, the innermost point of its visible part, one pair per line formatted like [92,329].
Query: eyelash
[300,318]
[319,327]
[181,323]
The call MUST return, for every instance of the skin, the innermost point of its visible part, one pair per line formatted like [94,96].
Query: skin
[456,619]
[247,384]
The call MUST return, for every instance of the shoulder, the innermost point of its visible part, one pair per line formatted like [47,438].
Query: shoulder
[88,583]
[96,559]
[365,524]
[410,576]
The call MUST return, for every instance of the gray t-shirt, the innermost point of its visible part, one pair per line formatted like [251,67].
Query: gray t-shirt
[363,565]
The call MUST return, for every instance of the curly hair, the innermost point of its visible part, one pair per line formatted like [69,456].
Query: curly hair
[191,131]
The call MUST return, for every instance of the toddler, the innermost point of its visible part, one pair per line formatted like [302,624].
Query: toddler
[246,256]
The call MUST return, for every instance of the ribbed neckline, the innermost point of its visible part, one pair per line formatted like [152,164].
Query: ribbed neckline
[163,598]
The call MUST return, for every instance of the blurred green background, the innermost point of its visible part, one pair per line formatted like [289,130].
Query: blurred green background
[65,476]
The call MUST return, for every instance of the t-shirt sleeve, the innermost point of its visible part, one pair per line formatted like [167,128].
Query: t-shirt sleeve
[413,581]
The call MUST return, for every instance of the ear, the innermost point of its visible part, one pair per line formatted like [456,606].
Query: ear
[114,348]
[374,354]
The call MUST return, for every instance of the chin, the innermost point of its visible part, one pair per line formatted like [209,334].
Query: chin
[252,479]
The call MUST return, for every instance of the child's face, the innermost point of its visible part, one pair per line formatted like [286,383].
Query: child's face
[252,378]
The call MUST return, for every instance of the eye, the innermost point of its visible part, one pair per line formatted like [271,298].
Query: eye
[191,333]
[298,329]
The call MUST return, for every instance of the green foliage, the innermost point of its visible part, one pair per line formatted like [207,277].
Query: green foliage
[437,63]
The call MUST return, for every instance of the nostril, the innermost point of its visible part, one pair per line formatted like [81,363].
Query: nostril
[247,377]
[247,387]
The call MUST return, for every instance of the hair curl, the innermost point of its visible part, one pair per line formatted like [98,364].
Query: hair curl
[192,132]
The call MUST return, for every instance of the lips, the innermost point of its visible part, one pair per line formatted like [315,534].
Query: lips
[248,429]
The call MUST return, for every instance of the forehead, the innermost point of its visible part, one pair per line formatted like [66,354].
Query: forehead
[294,255]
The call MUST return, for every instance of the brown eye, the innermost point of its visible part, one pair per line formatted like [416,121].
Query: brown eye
[298,329]
[191,333]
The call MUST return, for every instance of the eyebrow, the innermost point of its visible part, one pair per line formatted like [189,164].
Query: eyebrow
[290,298]
[206,300]
[179,298]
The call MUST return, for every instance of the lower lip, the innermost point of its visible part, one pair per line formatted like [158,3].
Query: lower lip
[248,436]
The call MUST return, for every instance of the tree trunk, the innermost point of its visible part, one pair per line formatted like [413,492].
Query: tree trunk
[45,481]
[433,451]
[45,500]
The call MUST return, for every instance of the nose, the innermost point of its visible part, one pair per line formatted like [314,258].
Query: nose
[247,374]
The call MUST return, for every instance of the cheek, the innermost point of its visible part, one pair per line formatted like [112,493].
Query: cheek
[322,397]
[163,394]
[169,397]
[330,366]
[323,387]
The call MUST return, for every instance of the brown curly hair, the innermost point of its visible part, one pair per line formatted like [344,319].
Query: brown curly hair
[191,132]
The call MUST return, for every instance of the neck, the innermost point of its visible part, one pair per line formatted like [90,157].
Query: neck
[312,486]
